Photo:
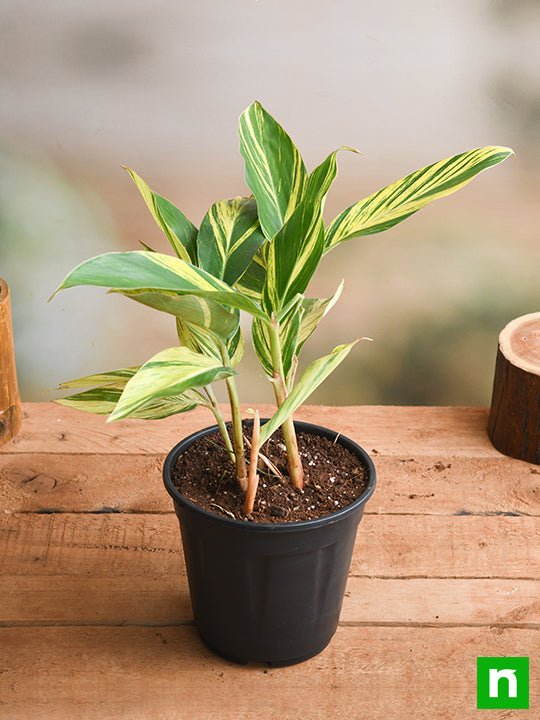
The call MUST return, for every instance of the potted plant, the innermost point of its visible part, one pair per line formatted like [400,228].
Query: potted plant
[268,509]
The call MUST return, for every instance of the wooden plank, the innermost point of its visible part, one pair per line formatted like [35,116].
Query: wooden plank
[394,431]
[164,673]
[387,545]
[164,600]
[436,485]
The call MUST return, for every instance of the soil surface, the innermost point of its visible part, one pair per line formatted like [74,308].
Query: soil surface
[333,479]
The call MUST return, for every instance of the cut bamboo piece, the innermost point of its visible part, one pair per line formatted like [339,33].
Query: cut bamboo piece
[514,420]
[10,404]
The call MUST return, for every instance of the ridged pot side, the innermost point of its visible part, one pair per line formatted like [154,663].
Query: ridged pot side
[267,592]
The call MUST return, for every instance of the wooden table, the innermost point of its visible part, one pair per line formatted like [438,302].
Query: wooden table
[95,614]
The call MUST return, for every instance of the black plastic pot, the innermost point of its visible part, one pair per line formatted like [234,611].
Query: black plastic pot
[266,592]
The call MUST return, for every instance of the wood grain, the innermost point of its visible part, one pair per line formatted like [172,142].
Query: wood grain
[157,600]
[95,617]
[514,418]
[393,431]
[386,545]
[164,673]
[10,404]
[437,485]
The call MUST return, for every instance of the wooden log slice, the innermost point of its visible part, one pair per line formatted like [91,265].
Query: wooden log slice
[514,420]
[10,405]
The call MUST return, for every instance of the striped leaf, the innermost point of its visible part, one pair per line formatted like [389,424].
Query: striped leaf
[113,377]
[200,341]
[229,237]
[275,172]
[314,311]
[179,231]
[289,326]
[252,281]
[323,176]
[293,256]
[313,376]
[198,311]
[143,270]
[398,201]
[168,374]
[102,400]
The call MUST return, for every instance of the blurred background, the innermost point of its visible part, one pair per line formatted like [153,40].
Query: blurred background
[88,87]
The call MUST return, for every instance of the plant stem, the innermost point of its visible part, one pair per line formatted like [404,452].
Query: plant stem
[236,417]
[220,421]
[253,476]
[296,471]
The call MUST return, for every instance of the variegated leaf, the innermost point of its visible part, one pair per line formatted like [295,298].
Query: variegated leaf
[168,374]
[203,342]
[289,325]
[293,256]
[313,376]
[323,176]
[155,271]
[229,237]
[195,310]
[275,172]
[179,231]
[398,201]
[252,281]
[102,399]
[112,377]
[314,311]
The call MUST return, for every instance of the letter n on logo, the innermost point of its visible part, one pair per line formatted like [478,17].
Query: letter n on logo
[502,683]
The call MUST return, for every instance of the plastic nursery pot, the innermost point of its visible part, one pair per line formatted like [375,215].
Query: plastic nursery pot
[264,592]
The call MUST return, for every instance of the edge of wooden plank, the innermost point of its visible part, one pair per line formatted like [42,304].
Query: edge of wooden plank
[385,430]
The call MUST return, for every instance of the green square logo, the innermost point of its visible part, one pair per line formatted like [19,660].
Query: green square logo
[502,683]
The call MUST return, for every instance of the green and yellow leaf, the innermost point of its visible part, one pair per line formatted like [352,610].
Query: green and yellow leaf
[313,376]
[179,231]
[293,256]
[193,309]
[154,271]
[314,311]
[275,171]
[200,341]
[106,378]
[228,238]
[168,374]
[252,281]
[102,399]
[320,180]
[398,201]
[289,326]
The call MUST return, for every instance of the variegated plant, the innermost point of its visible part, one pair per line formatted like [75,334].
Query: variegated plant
[254,254]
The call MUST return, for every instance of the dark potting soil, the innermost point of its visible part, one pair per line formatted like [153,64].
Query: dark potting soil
[333,479]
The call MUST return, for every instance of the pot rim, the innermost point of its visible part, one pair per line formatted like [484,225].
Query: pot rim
[361,454]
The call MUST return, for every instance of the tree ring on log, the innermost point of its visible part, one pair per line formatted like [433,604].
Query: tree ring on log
[514,420]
